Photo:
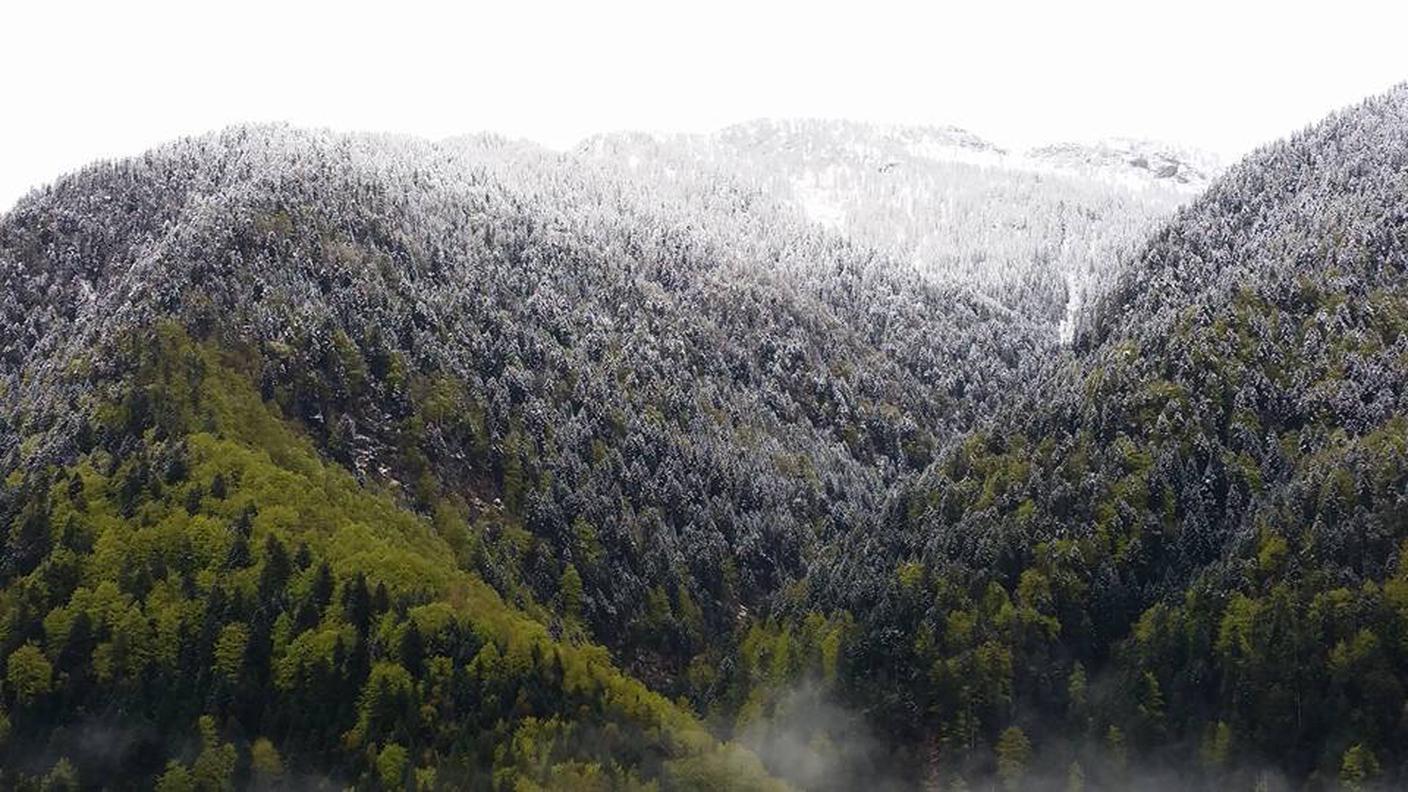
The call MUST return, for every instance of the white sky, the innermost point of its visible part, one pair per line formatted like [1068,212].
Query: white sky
[80,81]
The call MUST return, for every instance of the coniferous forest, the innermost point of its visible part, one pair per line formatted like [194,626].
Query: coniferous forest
[808,455]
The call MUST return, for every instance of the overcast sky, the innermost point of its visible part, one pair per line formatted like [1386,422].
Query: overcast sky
[81,81]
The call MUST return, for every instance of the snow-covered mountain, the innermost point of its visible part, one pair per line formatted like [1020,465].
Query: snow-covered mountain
[1128,162]
[1037,230]
[657,464]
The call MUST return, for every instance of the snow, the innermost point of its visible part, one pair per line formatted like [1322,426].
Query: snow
[820,205]
[1043,230]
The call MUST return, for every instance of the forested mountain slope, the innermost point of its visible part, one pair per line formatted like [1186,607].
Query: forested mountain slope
[196,600]
[626,388]
[635,422]
[1181,553]
[364,460]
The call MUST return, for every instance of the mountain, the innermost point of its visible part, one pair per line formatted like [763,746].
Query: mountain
[807,453]
[1040,231]
[222,607]
[1184,543]
[633,422]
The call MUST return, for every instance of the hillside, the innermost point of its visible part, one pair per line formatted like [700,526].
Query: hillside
[807,453]
[197,600]
[1182,551]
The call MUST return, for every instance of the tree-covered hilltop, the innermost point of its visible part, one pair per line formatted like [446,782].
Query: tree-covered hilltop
[1183,548]
[197,600]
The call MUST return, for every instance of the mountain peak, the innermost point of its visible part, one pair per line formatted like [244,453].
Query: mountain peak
[1131,161]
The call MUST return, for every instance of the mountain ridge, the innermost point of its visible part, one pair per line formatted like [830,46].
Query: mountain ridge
[1128,161]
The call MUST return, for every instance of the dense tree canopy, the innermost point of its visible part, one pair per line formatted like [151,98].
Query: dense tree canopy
[357,460]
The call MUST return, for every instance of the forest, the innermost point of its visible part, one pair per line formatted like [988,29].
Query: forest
[361,461]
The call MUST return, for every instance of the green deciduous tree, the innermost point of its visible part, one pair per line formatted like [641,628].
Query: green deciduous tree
[28,673]
[1014,754]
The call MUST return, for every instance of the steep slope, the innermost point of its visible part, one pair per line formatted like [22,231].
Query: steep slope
[197,600]
[627,387]
[1184,547]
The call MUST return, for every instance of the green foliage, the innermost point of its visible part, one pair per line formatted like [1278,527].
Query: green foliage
[61,778]
[230,649]
[28,674]
[1358,768]
[569,588]
[214,767]
[176,779]
[1216,749]
[345,626]
[391,766]
[910,575]
[1014,754]
[266,763]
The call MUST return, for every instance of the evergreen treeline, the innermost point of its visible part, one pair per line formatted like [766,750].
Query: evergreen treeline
[1183,547]
[614,391]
